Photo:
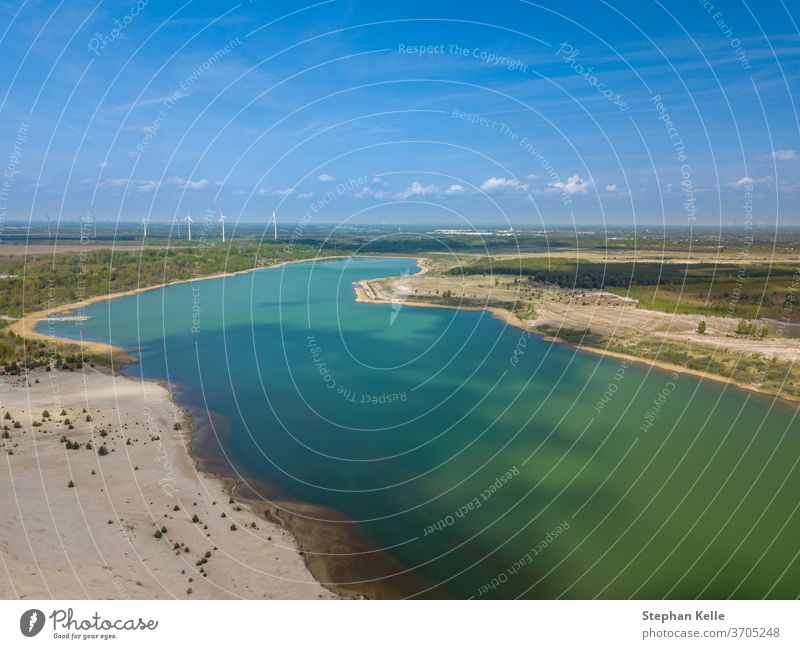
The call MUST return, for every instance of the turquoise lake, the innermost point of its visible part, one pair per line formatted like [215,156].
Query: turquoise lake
[473,454]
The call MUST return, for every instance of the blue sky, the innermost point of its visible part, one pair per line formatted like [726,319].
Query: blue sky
[525,113]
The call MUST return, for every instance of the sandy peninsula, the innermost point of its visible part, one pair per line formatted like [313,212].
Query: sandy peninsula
[136,520]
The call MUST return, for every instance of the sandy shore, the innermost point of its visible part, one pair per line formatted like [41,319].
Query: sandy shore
[366,292]
[680,369]
[26,325]
[98,538]
[372,291]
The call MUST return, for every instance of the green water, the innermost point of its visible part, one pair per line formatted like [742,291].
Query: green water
[489,477]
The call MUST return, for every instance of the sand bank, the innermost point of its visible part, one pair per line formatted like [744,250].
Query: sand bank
[102,538]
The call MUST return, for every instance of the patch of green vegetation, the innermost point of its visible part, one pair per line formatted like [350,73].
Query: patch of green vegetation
[574,336]
[753,370]
[37,282]
[734,290]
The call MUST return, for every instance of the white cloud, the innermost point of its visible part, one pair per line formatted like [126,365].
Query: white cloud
[147,186]
[275,192]
[143,130]
[149,102]
[747,180]
[784,154]
[367,191]
[417,189]
[531,177]
[376,180]
[574,185]
[502,184]
[141,186]
[326,178]
[103,164]
[306,195]
[114,182]
[615,190]
[188,184]
[455,189]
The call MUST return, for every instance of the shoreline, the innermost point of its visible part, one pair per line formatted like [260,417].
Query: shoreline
[366,293]
[139,520]
[342,577]
[359,569]
[333,548]
[25,326]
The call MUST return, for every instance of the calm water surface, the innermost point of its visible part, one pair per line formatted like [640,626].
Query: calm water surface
[490,477]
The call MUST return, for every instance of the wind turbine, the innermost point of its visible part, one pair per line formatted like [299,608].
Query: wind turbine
[274,225]
[49,236]
[144,225]
[188,220]
[222,218]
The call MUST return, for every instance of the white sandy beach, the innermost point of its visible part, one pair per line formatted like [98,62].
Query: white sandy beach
[98,539]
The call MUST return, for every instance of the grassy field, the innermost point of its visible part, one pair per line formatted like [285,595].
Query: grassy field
[728,289]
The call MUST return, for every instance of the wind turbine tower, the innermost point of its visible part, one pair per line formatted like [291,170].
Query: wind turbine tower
[188,220]
[222,218]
